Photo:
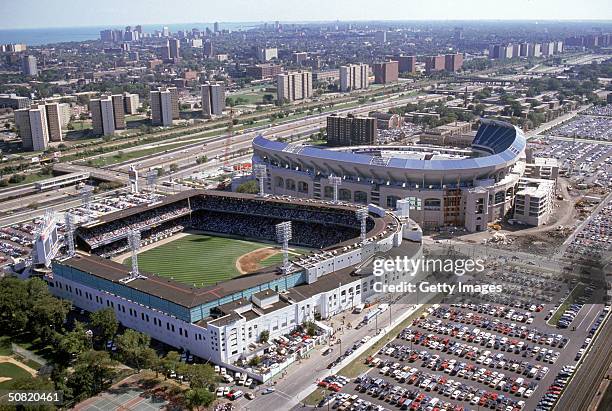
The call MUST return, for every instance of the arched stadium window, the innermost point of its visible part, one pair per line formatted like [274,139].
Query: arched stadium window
[290,184]
[392,201]
[328,192]
[302,187]
[361,197]
[344,194]
[279,182]
[432,204]
[500,196]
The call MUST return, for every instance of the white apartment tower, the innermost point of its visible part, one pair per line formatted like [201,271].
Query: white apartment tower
[213,99]
[354,77]
[293,86]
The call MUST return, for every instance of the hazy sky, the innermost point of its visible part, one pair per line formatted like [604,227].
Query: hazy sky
[67,13]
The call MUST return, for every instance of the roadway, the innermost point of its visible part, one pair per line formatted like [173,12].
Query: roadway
[302,126]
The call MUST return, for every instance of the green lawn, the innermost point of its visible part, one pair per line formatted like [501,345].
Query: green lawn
[195,258]
[12,371]
[121,156]
[578,291]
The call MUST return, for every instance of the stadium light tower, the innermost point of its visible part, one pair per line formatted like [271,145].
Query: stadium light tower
[362,216]
[69,223]
[261,173]
[134,243]
[335,182]
[284,233]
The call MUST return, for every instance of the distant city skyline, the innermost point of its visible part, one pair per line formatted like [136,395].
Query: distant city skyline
[73,13]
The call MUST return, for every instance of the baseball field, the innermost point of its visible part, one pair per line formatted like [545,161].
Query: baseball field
[204,260]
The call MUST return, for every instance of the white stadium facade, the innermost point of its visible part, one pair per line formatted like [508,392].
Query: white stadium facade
[446,187]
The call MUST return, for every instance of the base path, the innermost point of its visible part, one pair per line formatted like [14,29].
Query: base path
[31,370]
[249,262]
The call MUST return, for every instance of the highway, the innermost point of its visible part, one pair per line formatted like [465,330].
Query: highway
[303,126]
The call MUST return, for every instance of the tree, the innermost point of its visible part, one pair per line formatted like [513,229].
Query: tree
[263,336]
[311,328]
[253,362]
[73,343]
[249,187]
[14,314]
[173,167]
[201,376]
[170,362]
[106,324]
[198,397]
[133,346]
[93,372]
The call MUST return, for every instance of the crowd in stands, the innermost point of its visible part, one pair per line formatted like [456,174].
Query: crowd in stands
[282,210]
[118,229]
[307,234]
[313,226]
[154,235]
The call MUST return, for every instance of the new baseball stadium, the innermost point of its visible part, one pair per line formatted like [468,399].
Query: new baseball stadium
[207,277]
[446,186]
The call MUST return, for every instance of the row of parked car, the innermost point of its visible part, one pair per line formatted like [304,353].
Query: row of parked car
[511,330]
[475,336]
[493,379]
[568,315]
[554,391]
[421,397]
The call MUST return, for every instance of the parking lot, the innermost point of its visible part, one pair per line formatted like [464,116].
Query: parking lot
[471,356]
[585,162]
[594,239]
[600,111]
[586,127]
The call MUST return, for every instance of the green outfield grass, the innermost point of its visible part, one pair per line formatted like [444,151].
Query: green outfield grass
[12,371]
[197,258]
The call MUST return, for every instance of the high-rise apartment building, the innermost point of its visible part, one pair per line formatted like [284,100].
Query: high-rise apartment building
[263,71]
[164,106]
[29,66]
[118,111]
[131,102]
[381,36]
[208,51]
[407,64]
[453,62]
[293,86]
[434,63]
[33,127]
[350,130]
[174,46]
[354,77]
[385,72]
[266,54]
[213,99]
[103,115]
[54,114]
